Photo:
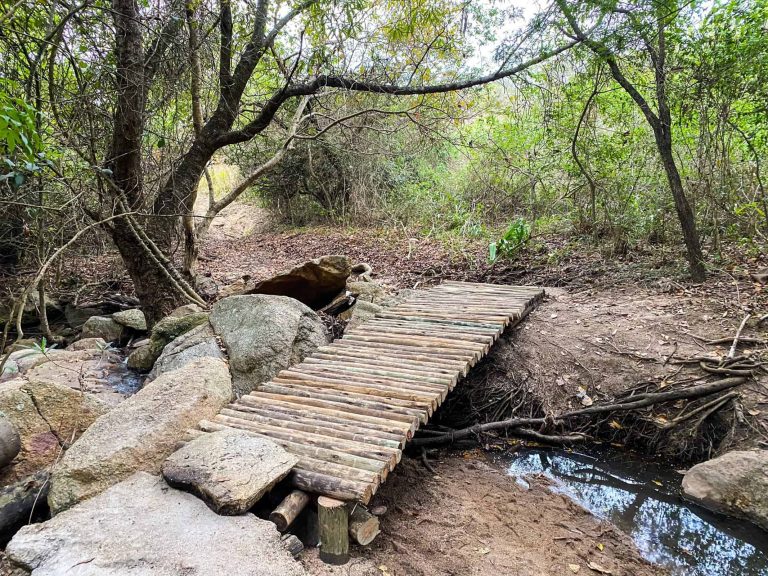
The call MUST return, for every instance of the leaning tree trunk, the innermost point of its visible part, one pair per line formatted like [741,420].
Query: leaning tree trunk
[157,293]
[684,211]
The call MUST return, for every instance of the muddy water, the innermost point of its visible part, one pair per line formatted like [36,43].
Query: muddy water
[642,499]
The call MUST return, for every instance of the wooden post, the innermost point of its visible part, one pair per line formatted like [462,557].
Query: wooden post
[288,509]
[333,518]
[363,526]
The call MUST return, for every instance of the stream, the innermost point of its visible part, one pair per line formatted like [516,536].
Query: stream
[642,499]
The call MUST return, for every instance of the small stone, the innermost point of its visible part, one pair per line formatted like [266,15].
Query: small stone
[88,344]
[230,470]
[133,319]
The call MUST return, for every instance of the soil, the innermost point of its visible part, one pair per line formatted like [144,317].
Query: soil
[469,519]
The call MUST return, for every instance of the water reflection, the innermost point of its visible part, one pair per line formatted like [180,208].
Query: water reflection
[642,500]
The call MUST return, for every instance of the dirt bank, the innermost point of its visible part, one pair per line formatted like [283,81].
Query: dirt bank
[471,520]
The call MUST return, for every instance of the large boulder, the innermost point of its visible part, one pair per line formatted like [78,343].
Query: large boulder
[141,527]
[133,319]
[140,433]
[230,470]
[265,334]
[179,322]
[48,418]
[314,283]
[102,327]
[200,342]
[735,484]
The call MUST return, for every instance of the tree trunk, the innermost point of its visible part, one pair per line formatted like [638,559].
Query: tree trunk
[157,294]
[684,211]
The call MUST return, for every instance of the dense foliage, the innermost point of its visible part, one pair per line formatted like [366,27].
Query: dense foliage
[610,121]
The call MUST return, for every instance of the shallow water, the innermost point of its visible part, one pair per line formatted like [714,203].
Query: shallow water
[125,380]
[642,498]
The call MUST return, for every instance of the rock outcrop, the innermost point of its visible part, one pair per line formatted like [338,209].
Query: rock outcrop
[230,470]
[141,527]
[735,484]
[265,334]
[48,418]
[87,344]
[314,283]
[140,433]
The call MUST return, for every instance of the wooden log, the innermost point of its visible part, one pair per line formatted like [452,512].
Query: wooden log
[292,544]
[330,432]
[342,347]
[292,411]
[421,409]
[333,519]
[345,374]
[363,526]
[431,344]
[319,483]
[383,362]
[287,511]
[373,386]
[381,453]
[371,366]
[374,328]
[19,501]
[318,453]
[352,427]
[337,408]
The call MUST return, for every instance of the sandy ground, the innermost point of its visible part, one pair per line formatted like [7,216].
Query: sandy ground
[471,520]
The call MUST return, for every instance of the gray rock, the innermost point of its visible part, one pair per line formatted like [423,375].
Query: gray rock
[164,332]
[102,327]
[735,483]
[360,313]
[140,433]
[265,334]
[87,344]
[200,342]
[314,283]
[185,310]
[142,358]
[76,317]
[141,527]
[367,291]
[10,441]
[230,470]
[133,319]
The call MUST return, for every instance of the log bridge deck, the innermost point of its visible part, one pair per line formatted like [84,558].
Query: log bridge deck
[348,410]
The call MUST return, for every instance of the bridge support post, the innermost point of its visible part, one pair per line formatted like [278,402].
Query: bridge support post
[333,520]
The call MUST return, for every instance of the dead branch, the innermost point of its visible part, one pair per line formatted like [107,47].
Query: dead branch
[634,402]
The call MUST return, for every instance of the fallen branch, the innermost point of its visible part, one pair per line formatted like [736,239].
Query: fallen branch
[732,351]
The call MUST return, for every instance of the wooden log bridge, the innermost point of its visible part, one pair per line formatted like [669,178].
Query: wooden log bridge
[348,410]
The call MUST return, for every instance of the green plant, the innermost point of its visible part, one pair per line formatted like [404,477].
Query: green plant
[516,236]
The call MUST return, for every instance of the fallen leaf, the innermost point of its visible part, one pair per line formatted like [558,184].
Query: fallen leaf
[597,568]
[483,551]
[600,547]
[615,425]
[574,568]
[658,483]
